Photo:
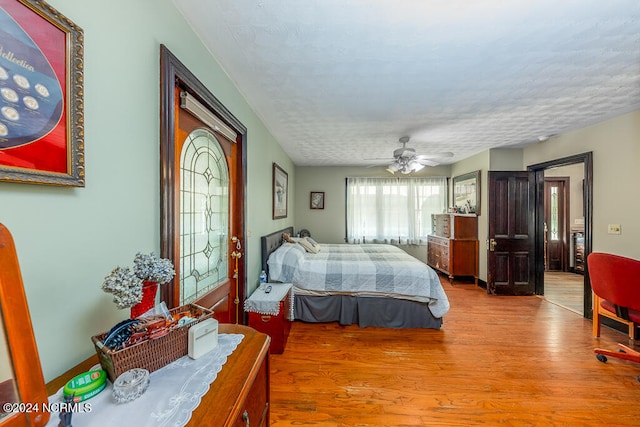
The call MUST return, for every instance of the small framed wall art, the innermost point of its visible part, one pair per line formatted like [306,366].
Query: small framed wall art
[316,200]
[280,191]
[41,102]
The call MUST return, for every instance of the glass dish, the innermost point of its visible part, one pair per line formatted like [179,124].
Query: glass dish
[130,385]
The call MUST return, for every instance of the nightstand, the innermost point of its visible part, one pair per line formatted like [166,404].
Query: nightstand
[270,313]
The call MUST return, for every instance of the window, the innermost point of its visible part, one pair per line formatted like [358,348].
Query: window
[393,210]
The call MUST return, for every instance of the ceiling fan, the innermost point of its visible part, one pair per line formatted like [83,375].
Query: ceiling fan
[405,159]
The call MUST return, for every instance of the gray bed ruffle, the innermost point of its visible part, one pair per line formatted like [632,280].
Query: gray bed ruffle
[365,311]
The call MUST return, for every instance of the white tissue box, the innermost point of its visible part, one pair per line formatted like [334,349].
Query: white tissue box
[203,338]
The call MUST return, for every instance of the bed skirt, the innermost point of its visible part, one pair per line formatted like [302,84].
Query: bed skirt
[365,311]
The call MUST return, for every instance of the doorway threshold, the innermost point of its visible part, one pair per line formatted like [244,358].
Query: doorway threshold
[559,305]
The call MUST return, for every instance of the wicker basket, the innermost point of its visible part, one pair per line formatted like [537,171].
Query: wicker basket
[150,354]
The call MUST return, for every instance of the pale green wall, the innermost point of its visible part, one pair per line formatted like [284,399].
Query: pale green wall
[328,225]
[479,162]
[575,173]
[505,159]
[616,154]
[68,239]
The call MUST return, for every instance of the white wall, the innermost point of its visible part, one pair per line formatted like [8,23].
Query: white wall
[68,239]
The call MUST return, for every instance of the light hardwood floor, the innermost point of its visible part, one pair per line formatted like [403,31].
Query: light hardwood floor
[565,289]
[510,361]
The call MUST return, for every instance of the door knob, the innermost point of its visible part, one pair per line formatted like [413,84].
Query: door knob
[492,245]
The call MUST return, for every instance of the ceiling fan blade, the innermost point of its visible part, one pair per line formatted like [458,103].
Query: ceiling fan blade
[427,162]
[381,162]
[435,155]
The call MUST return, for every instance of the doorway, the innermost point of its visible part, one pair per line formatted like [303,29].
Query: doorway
[203,172]
[564,221]
[570,288]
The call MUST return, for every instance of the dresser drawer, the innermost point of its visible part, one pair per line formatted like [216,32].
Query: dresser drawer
[256,407]
[438,253]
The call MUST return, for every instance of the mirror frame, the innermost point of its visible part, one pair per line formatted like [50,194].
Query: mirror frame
[21,343]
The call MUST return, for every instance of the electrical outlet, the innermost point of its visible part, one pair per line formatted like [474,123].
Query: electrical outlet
[615,229]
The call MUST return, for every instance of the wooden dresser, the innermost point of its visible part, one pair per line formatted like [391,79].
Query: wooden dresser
[239,396]
[452,248]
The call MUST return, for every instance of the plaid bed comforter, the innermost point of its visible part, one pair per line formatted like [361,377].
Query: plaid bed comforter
[359,269]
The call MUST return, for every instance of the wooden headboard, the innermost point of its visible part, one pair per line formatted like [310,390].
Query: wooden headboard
[270,243]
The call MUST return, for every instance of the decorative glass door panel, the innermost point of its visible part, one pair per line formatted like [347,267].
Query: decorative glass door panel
[202,176]
[556,208]
[553,200]
[204,212]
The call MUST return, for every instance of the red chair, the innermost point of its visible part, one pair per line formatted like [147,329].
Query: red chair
[615,281]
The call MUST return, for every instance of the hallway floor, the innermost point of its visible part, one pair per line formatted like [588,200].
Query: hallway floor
[564,289]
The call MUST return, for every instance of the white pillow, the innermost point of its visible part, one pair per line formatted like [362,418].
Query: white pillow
[309,245]
[292,246]
[284,261]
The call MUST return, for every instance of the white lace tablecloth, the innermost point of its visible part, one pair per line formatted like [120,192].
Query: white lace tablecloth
[174,392]
[269,303]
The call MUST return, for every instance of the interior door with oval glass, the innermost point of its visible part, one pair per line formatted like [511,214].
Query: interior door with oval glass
[204,209]
[204,215]
[202,178]
[208,223]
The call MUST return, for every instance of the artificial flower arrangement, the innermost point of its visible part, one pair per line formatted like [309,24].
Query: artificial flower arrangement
[126,283]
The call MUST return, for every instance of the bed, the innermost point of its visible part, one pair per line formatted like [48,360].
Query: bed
[368,285]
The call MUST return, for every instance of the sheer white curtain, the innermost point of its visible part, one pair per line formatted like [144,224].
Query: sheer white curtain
[393,210]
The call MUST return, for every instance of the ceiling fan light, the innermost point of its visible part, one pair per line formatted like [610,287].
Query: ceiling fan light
[393,168]
[415,166]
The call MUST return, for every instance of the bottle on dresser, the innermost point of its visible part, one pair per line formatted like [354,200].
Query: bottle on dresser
[263,279]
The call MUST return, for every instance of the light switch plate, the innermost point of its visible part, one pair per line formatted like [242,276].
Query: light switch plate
[615,229]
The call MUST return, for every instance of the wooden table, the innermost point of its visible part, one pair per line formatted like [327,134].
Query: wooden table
[238,396]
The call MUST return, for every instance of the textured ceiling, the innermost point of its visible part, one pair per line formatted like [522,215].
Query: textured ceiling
[338,82]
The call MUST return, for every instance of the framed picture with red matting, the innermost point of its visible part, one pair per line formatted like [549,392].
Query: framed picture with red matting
[41,95]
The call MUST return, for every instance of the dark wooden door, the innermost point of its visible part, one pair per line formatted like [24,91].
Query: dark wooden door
[555,219]
[208,218]
[202,181]
[511,268]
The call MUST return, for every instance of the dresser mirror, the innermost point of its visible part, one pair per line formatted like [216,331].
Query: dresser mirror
[21,380]
[8,391]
